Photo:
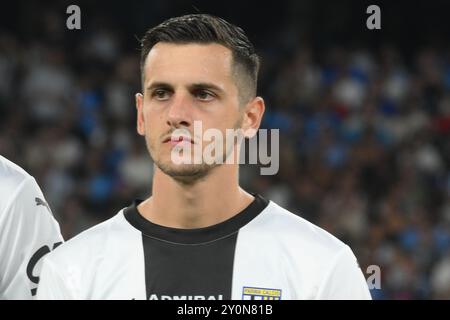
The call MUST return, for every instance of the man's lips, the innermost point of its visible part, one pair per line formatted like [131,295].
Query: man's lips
[174,140]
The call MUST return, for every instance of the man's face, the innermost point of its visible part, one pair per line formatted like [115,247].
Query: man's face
[186,83]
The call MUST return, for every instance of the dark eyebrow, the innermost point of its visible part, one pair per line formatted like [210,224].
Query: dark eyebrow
[205,85]
[159,85]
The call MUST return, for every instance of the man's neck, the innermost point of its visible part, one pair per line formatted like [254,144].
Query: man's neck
[208,201]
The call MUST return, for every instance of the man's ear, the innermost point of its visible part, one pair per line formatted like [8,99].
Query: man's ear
[253,113]
[140,114]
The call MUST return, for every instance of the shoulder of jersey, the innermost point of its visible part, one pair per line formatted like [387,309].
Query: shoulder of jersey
[91,242]
[274,224]
[11,175]
[11,178]
[283,225]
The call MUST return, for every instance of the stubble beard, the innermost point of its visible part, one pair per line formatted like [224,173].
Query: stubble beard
[188,173]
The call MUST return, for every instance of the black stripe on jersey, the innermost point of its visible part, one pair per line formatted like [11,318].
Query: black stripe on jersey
[191,263]
[189,271]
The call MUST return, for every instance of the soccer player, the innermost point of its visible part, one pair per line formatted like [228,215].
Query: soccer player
[28,231]
[199,235]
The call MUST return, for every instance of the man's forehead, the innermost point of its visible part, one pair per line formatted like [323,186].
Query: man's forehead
[172,50]
[204,60]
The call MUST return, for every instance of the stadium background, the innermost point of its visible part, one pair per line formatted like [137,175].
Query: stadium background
[364,118]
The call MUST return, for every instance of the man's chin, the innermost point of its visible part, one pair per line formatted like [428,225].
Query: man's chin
[184,172]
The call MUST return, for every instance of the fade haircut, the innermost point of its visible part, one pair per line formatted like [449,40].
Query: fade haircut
[208,29]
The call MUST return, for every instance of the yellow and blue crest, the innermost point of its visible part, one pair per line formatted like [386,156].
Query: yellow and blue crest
[251,293]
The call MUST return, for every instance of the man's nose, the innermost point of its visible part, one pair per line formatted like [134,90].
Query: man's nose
[180,112]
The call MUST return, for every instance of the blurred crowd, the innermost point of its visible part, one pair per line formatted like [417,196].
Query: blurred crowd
[364,142]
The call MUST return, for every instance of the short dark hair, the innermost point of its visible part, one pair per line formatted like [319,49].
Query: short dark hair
[206,29]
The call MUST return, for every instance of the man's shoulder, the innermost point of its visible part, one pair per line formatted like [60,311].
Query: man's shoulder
[88,244]
[291,227]
[13,179]
[11,175]
[10,169]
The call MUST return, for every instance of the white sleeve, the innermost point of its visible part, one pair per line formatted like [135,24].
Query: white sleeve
[28,231]
[52,285]
[345,281]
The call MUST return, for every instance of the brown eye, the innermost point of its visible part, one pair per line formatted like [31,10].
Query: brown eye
[204,95]
[161,94]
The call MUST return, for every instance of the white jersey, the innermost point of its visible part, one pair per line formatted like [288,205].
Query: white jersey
[27,232]
[263,253]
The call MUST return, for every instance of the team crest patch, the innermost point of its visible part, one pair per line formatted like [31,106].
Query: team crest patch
[251,293]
